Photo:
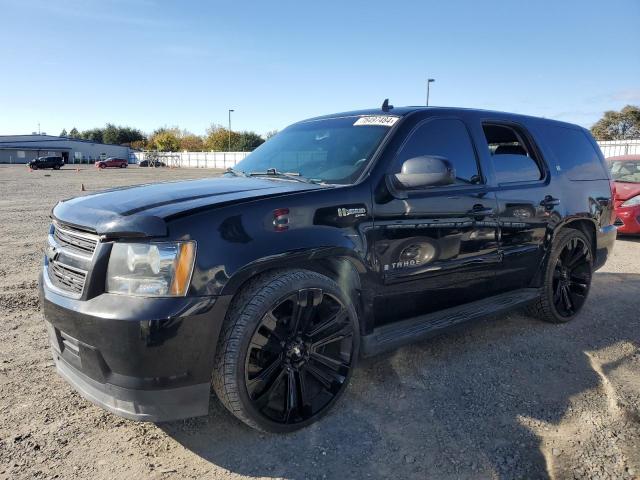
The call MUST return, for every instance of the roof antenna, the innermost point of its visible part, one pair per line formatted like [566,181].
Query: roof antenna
[385,105]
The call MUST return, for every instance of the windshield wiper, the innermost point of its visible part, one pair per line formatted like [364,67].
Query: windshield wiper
[235,173]
[272,172]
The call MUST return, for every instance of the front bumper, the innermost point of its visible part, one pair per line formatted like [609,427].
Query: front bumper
[144,359]
[142,405]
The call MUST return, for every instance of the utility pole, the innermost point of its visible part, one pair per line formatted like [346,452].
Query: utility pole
[230,110]
[429,82]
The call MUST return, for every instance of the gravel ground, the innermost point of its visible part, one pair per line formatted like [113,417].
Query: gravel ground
[507,397]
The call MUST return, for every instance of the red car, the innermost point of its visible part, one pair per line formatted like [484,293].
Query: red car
[112,162]
[625,172]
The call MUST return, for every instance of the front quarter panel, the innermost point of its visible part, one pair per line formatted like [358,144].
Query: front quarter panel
[236,242]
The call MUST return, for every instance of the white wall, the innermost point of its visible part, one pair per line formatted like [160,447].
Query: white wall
[613,148]
[221,160]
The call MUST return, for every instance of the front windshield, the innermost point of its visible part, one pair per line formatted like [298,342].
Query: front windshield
[625,171]
[334,150]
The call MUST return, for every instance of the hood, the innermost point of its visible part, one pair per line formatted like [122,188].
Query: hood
[143,210]
[625,191]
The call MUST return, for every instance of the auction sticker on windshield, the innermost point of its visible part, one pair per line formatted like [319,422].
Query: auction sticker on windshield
[383,120]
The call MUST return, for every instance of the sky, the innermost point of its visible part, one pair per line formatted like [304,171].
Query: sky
[153,63]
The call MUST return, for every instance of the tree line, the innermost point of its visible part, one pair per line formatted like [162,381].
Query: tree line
[110,134]
[622,125]
[172,139]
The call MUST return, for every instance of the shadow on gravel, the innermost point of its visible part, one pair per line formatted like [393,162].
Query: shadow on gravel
[451,407]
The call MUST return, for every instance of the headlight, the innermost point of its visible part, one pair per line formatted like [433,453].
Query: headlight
[632,202]
[151,269]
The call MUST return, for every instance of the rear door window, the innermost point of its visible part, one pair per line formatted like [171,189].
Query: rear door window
[574,153]
[513,156]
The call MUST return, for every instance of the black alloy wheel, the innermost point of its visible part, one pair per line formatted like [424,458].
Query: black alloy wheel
[287,350]
[567,279]
[299,356]
[571,277]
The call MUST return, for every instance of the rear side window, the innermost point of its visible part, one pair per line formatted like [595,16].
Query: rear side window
[443,137]
[514,158]
[574,152]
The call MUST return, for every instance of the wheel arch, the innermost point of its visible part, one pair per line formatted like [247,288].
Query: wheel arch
[585,225]
[341,265]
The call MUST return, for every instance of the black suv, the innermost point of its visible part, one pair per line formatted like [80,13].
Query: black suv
[46,162]
[344,235]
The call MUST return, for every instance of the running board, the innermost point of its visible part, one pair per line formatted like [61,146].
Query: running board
[391,336]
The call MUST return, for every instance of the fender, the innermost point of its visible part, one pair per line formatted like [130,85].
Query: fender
[322,259]
[239,241]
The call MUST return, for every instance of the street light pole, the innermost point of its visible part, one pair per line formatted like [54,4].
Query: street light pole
[230,110]
[429,82]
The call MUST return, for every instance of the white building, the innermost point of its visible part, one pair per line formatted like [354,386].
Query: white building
[24,148]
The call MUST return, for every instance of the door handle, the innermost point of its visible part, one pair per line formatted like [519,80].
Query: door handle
[549,202]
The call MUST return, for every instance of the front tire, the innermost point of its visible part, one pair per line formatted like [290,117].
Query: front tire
[567,278]
[286,351]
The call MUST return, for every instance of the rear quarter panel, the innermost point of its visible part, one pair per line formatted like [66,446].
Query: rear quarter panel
[585,188]
[580,173]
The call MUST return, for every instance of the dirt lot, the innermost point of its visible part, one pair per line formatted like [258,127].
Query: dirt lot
[508,397]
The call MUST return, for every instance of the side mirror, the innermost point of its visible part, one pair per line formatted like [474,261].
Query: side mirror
[425,171]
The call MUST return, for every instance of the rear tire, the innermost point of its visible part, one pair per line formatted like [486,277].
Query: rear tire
[567,278]
[286,351]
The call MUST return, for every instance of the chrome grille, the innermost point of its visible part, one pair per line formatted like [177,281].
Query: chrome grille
[66,278]
[76,240]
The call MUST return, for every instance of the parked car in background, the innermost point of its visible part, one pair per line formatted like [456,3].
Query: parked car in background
[344,235]
[46,162]
[625,172]
[147,163]
[112,162]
